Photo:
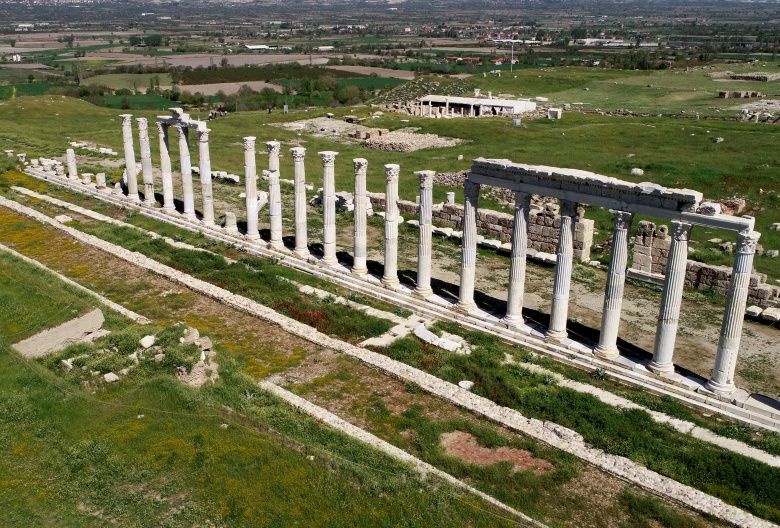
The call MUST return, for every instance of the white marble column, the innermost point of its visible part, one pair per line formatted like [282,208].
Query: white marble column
[390,276]
[250,179]
[130,169]
[722,379]
[70,159]
[165,168]
[206,186]
[359,266]
[273,147]
[424,247]
[616,281]
[188,193]
[146,160]
[275,209]
[468,258]
[671,299]
[329,207]
[563,268]
[517,261]
[301,226]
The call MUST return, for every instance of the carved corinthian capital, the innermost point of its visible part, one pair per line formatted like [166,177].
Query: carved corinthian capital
[328,158]
[680,230]
[298,153]
[747,242]
[249,142]
[392,171]
[360,164]
[426,178]
[273,147]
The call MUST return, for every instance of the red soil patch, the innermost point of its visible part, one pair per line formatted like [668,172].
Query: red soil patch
[464,446]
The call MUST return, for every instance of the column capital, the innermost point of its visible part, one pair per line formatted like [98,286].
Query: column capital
[162,128]
[143,123]
[127,119]
[747,241]
[622,218]
[273,147]
[360,164]
[328,157]
[298,153]
[249,142]
[568,208]
[203,135]
[392,171]
[680,230]
[470,188]
[522,198]
[181,129]
[426,178]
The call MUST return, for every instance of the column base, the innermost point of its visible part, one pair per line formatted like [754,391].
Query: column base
[660,368]
[721,389]
[513,321]
[556,335]
[191,216]
[391,282]
[169,209]
[466,307]
[253,237]
[302,253]
[422,293]
[277,245]
[329,261]
[609,353]
[134,198]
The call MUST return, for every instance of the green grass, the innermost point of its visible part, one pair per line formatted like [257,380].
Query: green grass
[630,433]
[128,81]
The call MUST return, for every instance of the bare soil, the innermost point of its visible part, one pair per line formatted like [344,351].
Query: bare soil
[464,445]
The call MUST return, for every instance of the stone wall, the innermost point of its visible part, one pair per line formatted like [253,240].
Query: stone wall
[543,224]
[651,252]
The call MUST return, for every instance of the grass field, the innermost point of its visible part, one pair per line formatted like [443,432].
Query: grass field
[129,81]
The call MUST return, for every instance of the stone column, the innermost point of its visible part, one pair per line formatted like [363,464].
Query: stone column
[165,168]
[563,268]
[206,188]
[424,248]
[273,154]
[146,160]
[616,281]
[301,228]
[517,260]
[359,266]
[130,170]
[188,193]
[250,179]
[722,379]
[390,276]
[70,159]
[275,209]
[329,207]
[671,299]
[468,258]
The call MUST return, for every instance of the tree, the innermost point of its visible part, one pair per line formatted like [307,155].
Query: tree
[268,97]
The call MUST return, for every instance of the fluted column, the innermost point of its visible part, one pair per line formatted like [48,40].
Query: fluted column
[563,268]
[468,257]
[130,169]
[517,261]
[329,207]
[146,160]
[390,276]
[301,227]
[424,247]
[165,168]
[275,209]
[206,187]
[671,300]
[188,193]
[250,180]
[70,159]
[359,266]
[616,281]
[722,379]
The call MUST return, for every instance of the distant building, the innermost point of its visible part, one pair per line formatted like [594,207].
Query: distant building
[477,106]
[325,48]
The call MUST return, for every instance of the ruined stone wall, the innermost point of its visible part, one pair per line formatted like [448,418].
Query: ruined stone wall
[543,224]
[651,252]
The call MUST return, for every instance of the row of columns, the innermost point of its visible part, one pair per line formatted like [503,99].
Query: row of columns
[722,379]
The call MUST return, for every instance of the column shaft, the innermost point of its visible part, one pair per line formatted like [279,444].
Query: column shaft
[468,257]
[517,260]
[250,180]
[206,187]
[187,190]
[301,227]
[130,169]
[359,265]
[722,379]
[165,168]
[329,207]
[616,281]
[563,268]
[390,277]
[146,160]
[70,159]
[671,300]
[424,248]
[275,209]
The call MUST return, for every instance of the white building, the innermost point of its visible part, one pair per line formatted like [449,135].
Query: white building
[477,106]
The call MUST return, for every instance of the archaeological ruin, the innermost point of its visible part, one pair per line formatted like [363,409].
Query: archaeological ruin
[562,228]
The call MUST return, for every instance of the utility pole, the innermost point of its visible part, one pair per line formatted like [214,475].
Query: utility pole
[512,60]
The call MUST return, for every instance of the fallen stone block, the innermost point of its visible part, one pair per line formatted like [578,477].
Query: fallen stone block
[110,377]
[771,315]
[147,341]
[753,311]
[81,329]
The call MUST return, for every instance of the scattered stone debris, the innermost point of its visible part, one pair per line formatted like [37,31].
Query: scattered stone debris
[636,171]
[147,341]
[110,377]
